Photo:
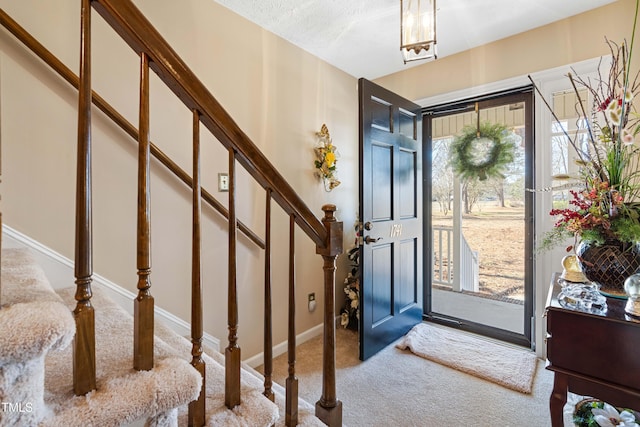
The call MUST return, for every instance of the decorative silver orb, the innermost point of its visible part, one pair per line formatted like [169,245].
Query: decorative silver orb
[632,288]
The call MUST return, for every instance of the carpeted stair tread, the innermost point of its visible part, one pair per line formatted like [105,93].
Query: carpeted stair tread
[24,336]
[255,410]
[23,280]
[122,394]
[33,322]
[306,411]
[253,385]
[25,291]
[123,400]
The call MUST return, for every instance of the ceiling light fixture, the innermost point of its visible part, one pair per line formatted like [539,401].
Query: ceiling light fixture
[418,29]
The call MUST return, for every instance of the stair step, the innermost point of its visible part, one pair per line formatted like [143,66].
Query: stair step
[33,322]
[23,280]
[116,377]
[253,385]
[124,396]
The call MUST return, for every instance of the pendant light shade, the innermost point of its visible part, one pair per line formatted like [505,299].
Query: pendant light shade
[418,29]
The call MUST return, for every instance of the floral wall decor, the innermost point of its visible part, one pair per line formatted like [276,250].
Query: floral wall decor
[326,159]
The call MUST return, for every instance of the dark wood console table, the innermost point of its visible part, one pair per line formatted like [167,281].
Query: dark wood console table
[591,354]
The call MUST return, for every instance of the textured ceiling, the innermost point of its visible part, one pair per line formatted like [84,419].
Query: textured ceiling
[362,37]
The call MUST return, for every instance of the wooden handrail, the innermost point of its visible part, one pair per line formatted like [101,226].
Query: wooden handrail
[70,77]
[130,23]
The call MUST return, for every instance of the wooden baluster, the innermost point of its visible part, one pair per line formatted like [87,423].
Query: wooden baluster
[328,408]
[143,304]
[84,346]
[197,408]
[291,401]
[268,324]
[0,230]
[232,352]
[0,236]
[0,243]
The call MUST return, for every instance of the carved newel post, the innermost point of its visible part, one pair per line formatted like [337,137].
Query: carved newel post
[328,408]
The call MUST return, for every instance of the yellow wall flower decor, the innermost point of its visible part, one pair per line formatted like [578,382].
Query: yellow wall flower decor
[326,159]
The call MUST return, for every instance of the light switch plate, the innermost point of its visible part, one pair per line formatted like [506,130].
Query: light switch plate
[223,182]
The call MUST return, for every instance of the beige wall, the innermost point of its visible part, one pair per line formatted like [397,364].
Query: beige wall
[564,42]
[278,94]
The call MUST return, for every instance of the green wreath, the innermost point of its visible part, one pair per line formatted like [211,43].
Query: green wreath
[482,154]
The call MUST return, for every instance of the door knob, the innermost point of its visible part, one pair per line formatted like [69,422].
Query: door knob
[368,240]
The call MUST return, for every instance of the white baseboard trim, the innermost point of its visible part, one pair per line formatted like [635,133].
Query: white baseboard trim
[61,268]
[281,348]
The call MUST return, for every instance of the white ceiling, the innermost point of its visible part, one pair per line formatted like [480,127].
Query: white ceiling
[362,37]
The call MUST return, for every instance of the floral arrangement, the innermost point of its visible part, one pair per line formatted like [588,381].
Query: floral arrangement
[326,159]
[595,413]
[604,205]
[350,313]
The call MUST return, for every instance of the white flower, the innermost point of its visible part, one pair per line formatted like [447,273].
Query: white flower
[613,112]
[344,320]
[354,303]
[352,295]
[628,95]
[608,416]
[627,137]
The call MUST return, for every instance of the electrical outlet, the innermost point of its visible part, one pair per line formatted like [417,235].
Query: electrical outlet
[223,182]
[312,301]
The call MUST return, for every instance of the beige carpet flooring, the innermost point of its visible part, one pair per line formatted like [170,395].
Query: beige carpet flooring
[398,388]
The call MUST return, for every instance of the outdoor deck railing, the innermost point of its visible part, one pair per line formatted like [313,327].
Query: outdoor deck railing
[445,271]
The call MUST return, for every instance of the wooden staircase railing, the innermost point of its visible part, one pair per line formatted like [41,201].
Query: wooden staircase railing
[157,55]
[45,55]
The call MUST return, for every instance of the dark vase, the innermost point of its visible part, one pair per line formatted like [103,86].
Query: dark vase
[609,265]
[353,322]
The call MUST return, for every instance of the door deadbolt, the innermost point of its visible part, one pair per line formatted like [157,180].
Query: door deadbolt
[368,225]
